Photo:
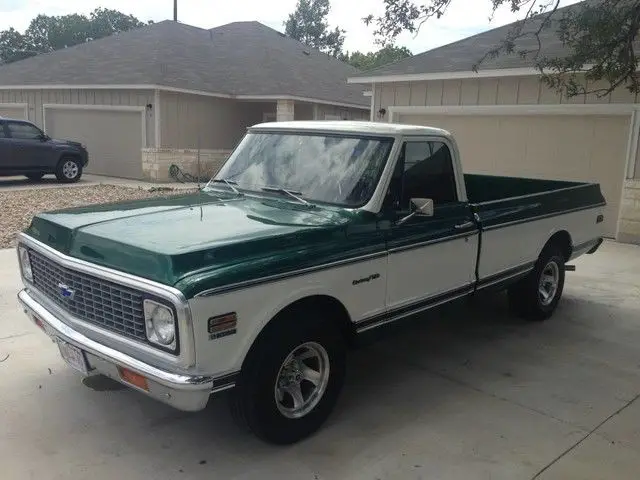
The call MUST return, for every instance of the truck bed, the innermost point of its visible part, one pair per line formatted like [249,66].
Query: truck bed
[489,188]
[501,201]
[516,217]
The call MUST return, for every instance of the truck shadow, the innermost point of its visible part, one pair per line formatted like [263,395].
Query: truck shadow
[451,363]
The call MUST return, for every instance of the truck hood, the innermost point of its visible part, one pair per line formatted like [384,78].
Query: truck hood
[199,236]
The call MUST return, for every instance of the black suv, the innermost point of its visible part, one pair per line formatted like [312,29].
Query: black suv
[27,150]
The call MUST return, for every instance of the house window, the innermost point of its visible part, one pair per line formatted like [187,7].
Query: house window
[333,117]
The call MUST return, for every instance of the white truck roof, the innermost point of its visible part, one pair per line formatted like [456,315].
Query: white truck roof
[357,127]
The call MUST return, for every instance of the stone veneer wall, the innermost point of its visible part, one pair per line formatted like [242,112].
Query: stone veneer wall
[629,226]
[156,162]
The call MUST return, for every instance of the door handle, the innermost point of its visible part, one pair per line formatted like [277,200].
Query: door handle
[460,226]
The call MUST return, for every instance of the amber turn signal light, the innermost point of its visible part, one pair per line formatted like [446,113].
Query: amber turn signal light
[133,378]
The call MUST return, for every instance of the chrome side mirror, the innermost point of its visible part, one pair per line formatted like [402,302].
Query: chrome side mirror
[423,208]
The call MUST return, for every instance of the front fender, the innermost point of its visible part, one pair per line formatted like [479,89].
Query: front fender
[257,305]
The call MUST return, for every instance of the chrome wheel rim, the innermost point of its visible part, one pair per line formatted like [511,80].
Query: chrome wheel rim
[302,380]
[70,169]
[548,286]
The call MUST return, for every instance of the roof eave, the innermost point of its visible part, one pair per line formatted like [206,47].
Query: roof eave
[417,77]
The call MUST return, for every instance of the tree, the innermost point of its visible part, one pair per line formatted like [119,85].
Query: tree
[12,45]
[48,33]
[371,60]
[599,38]
[308,24]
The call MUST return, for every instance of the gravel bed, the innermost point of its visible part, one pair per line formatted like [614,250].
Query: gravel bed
[18,207]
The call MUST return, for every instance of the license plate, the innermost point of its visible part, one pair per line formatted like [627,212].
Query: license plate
[73,356]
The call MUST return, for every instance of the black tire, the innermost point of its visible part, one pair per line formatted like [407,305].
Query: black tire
[69,170]
[253,400]
[525,297]
[34,177]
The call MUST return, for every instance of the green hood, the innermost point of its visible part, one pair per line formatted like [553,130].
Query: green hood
[200,241]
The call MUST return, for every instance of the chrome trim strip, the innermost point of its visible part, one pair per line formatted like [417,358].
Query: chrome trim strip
[434,241]
[393,318]
[223,388]
[186,358]
[325,266]
[504,275]
[293,273]
[529,195]
[169,379]
[541,217]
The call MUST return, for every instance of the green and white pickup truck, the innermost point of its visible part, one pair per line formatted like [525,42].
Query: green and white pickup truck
[312,234]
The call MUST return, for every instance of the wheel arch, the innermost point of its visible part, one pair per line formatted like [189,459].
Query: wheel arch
[336,310]
[562,240]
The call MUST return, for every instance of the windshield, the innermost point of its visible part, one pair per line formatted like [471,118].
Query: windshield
[342,170]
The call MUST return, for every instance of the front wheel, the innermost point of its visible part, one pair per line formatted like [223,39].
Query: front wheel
[69,170]
[537,295]
[291,379]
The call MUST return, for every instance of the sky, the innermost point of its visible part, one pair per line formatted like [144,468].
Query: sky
[464,18]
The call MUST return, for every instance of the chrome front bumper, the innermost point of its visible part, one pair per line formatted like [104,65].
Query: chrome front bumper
[184,392]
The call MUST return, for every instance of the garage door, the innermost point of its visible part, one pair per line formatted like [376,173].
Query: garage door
[10,111]
[113,138]
[581,148]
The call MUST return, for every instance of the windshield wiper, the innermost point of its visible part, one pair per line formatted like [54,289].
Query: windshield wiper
[292,193]
[229,183]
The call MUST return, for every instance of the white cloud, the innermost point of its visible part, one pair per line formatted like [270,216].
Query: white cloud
[465,17]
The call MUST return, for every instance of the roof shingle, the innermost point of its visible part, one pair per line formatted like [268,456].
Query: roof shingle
[242,58]
[462,55]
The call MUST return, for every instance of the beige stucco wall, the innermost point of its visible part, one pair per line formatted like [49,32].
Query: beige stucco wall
[344,112]
[526,90]
[157,161]
[482,91]
[192,121]
[629,226]
[37,98]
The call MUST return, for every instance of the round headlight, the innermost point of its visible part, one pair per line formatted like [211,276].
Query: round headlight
[160,324]
[163,324]
[25,263]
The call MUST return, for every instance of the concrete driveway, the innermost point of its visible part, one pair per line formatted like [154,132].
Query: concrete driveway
[469,394]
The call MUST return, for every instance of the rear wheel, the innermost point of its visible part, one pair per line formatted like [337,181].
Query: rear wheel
[69,170]
[35,176]
[537,295]
[291,379]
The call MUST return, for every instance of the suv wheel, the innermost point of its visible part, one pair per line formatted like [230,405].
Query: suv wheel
[69,170]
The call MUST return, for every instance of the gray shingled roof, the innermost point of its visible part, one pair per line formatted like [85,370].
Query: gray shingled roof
[243,58]
[460,56]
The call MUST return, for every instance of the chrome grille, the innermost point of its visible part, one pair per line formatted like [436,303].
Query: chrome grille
[94,300]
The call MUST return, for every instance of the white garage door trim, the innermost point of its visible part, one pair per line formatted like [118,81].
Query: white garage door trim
[120,108]
[623,109]
[25,106]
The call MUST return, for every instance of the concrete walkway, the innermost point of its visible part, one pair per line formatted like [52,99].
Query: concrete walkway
[468,394]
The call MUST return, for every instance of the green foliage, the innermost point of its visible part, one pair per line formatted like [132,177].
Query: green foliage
[308,24]
[599,39]
[48,33]
[371,60]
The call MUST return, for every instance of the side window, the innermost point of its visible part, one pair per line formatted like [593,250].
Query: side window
[23,131]
[426,170]
[2,134]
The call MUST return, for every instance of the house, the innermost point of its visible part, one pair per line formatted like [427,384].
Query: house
[152,97]
[507,122]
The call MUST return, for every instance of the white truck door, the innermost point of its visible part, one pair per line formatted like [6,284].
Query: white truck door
[431,259]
